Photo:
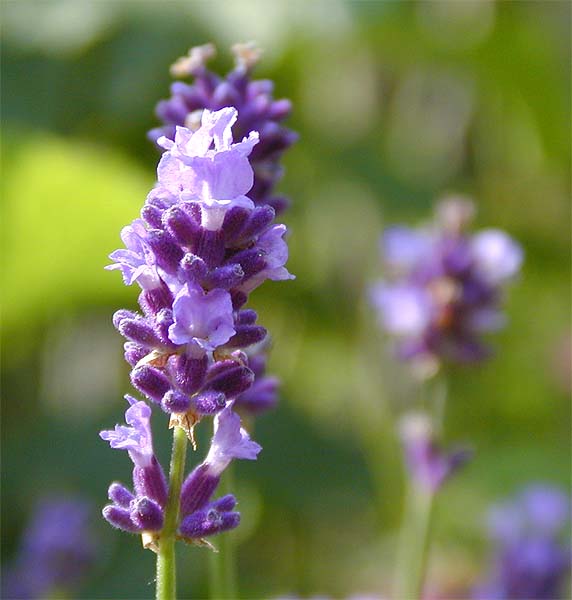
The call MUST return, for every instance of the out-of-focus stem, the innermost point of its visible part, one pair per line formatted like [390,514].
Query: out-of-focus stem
[166,559]
[222,564]
[414,544]
[415,536]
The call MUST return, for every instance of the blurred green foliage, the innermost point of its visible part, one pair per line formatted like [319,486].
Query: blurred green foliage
[396,104]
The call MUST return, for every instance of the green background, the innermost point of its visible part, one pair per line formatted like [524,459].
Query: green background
[396,103]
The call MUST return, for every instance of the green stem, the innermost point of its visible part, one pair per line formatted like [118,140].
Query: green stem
[222,564]
[415,534]
[166,560]
[414,544]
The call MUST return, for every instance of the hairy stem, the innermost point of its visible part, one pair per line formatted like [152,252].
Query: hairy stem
[166,560]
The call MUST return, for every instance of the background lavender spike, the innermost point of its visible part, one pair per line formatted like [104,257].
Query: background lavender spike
[56,551]
[443,288]
[531,537]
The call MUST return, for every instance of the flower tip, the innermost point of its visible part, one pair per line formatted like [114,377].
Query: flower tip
[246,55]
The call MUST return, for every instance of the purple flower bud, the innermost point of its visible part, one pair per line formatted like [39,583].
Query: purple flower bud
[260,218]
[120,495]
[181,226]
[155,300]
[246,317]
[151,382]
[167,252]
[175,402]
[139,331]
[152,215]
[120,518]
[146,514]
[188,372]
[133,352]
[208,521]
[197,489]
[225,277]
[151,481]
[246,335]
[194,268]
[209,402]
[233,223]
[229,377]
[224,503]
[261,396]
[210,246]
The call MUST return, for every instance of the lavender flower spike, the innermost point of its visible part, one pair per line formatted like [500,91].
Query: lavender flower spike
[532,547]
[56,552]
[206,239]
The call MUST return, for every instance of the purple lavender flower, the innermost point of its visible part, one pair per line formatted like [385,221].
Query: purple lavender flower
[532,553]
[443,287]
[56,552]
[137,262]
[229,441]
[203,320]
[201,246]
[143,511]
[257,109]
[428,464]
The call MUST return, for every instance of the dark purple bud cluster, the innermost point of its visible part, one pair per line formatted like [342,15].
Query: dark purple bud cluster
[258,111]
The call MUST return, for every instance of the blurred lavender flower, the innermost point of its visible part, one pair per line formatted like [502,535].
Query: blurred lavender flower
[444,287]
[429,465]
[56,552]
[257,109]
[532,547]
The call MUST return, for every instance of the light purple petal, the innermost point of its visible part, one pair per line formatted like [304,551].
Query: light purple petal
[136,439]
[230,441]
[204,320]
[402,248]
[403,309]
[497,256]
